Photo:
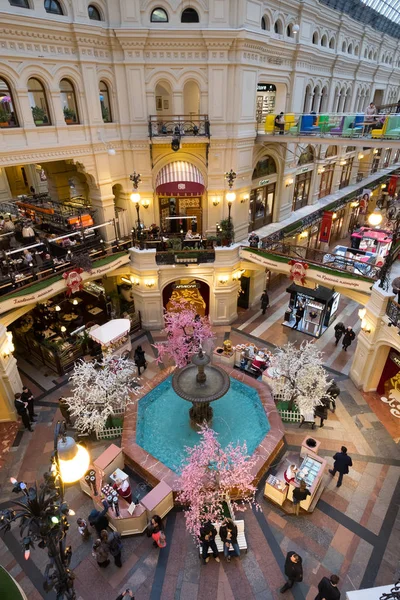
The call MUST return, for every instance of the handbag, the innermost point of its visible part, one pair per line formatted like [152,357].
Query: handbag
[162,540]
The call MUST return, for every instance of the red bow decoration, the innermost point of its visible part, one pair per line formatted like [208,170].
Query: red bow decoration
[73,280]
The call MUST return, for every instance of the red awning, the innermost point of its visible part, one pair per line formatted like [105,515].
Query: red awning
[180,178]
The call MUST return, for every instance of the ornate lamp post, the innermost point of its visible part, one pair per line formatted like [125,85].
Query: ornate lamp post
[393,220]
[135,196]
[230,197]
[42,513]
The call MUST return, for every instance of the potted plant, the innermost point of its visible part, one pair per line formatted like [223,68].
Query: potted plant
[225,232]
[4,118]
[38,115]
[105,113]
[211,240]
[69,115]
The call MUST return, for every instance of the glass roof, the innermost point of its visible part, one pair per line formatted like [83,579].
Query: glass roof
[388,8]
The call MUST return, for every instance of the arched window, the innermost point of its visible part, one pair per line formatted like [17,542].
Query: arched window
[159,15]
[344,47]
[105,102]
[265,166]
[370,55]
[68,102]
[376,56]
[278,27]
[264,23]
[350,49]
[20,3]
[315,38]
[94,13]
[331,151]
[365,53]
[8,117]
[356,50]
[289,31]
[190,15]
[53,7]
[306,157]
[332,43]
[324,41]
[323,100]
[307,100]
[38,102]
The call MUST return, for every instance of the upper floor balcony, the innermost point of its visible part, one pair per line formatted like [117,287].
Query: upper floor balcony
[166,126]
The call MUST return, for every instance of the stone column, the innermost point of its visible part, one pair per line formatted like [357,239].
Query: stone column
[10,380]
[5,192]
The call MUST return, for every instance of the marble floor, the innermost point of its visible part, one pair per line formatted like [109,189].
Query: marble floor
[353,532]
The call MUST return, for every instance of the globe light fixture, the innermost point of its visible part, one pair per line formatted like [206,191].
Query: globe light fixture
[230,197]
[135,198]
[73,458]
[296,28]
[375,218]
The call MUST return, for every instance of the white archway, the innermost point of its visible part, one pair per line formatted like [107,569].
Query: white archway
[191,99]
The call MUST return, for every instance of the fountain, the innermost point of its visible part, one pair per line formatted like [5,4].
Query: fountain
[208,385]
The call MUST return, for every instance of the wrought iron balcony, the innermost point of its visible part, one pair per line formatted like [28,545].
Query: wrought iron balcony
[185,257]
[163,126]
[393,312]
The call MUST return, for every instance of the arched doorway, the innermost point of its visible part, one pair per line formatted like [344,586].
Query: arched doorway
[262,195]
[193,291]
[180,187]
[191,99]
[163,95]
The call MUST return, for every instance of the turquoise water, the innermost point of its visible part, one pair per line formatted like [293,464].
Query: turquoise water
[163,427]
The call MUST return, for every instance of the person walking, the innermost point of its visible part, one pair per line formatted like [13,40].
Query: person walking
[341,465]
[348,337]
[64,410]
[332,393]
[321,410]
[113,541]
[98,519]
[339,331]
[299,494]
[280,123]
[228,534]
[20,407]
[27,396]
[83,529]
[327,588]
[125,593]
[299,315]
[293,571]
[156,531]
[264,301]
[207,538]
[100,553]
[140,359]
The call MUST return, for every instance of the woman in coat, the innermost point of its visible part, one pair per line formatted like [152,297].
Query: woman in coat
[339,331]
[100,553]
[348,337]
[156,530]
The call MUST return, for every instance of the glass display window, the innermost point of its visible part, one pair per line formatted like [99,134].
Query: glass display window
[261,206]
[301,190]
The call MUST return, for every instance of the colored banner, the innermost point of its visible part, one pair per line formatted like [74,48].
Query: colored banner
[391,188]
[326,227]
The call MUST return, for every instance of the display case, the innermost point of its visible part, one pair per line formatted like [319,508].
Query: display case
[320,307]
[275,489]
[311,470]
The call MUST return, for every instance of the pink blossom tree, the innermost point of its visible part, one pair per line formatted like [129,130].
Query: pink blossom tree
[186,332]
[209,476]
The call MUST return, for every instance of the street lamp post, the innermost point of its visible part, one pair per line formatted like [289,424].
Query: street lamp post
[375,219]
[230,198]
[135,197]
[42,513]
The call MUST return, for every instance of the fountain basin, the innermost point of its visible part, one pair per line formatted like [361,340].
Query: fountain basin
[146,438]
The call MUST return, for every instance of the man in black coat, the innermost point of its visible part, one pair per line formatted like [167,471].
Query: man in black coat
[207,538]
[341,464]
[348,337]
[98,519]
[27,396]
[327,588]
[339,331]
[293,570]
[299,315]
[20,407]
[264,301]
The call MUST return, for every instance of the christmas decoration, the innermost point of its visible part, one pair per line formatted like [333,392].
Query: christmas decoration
[209,475]
[298,271]
[98,389]
[302,379]
[74,281]
[186,332]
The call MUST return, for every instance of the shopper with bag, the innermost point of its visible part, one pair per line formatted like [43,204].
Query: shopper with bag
[156,531]
[114,544]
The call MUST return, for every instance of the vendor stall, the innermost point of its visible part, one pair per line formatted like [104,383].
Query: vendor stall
[309,468]
[126,518]
[373,240]
[320,306]
[113,336]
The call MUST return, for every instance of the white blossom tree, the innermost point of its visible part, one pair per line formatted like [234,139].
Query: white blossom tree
[301,379]
[99,388]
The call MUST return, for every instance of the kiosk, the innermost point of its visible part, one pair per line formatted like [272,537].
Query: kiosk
[320,306]
[113,336]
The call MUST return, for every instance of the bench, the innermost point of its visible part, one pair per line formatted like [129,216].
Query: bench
[241,538]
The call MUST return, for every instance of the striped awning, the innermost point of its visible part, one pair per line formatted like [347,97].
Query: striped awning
[179,178]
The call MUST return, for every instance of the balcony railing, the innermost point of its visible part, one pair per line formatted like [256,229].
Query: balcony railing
[185,257]
[163,126]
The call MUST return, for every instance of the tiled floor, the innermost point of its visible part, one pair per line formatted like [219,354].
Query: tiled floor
[354,530]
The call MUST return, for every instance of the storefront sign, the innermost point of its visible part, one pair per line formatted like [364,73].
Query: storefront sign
[305,169]
[263,182]
[263,87]
[326,227]
[186,286]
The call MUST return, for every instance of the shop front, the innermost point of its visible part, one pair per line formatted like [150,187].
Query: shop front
[180,188]
[389,383]
[262,195]
[302,185]
[338,219]
[265,102]
[325,185]
[192,291]
[345,175]
[320,307]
